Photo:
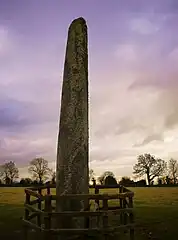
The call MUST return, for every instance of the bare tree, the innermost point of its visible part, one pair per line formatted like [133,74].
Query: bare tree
[9,172]
[52,174]
[39,169]
[173,169]
[150,166]
[91,175]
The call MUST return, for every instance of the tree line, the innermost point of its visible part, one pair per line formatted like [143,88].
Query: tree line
[38,169]
[149,169]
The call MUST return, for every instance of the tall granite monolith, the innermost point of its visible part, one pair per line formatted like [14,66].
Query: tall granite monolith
[72,150]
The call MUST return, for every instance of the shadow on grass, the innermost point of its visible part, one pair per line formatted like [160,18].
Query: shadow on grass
[10,220]
[158,222]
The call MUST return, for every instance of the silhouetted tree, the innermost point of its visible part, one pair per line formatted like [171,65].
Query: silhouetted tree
[163,179]
[126,181]
[168,180]
[104,175]
[173,169]
[110,180]
[7,180]
[9,172]
[150,166]
[52,174]
[160,182]
[35,182]
[26,181]
[141,183]
[152,183]
[22,181]
[39,169]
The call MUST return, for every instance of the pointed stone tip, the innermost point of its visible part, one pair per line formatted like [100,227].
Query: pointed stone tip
[79,20]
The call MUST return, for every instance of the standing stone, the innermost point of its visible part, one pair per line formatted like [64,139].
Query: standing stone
[72,151]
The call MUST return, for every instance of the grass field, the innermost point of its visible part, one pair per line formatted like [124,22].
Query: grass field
[156,211]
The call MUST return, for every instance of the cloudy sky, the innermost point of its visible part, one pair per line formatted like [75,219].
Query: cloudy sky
[133,74]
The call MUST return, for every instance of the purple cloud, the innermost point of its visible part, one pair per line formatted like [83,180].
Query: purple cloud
[132,70]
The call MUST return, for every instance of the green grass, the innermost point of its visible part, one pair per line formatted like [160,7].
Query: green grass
[156,211]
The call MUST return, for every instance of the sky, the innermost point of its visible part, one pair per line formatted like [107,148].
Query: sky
[133,85]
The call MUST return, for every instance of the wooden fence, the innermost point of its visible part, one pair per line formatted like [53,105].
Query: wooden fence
[44,212]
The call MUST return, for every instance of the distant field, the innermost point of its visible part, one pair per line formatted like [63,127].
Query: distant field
[156,212]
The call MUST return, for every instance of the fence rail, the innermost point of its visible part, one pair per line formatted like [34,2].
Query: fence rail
[44,213]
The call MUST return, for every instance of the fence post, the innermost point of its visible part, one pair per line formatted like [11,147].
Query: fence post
[97,202]
[47,217]
[131,218]
[105,217]
[125,213]
[39,207]
[121,204]
[26,216]
[48,190]
[97,192]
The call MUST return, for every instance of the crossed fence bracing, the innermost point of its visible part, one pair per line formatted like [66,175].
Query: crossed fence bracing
[40,212]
